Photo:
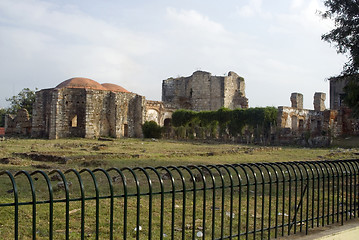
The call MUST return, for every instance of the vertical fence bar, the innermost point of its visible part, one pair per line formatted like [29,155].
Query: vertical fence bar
[125,196]
[263,198]
[77,174]
[173,204]
[183,198]
[239,197]
[138,203]
[255,200]
[67,200]
[33,194]
[276,199]
[97,200]
[333,191]
[16,202]
[247,203]
[150,195]
[109,180]
[162,198]
[51,203]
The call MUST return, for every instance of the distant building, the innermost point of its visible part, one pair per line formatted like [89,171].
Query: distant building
[203,92]
[81,107]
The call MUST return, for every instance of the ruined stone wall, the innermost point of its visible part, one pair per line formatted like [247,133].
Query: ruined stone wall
[80,112]
[176,92]
[206,91]
[41,114]
[97,113]
[19,124]
[70,111]
[308,127]
[127,114]
[337,92]
[234,92]
[158,112]
[319,101]
[202,91]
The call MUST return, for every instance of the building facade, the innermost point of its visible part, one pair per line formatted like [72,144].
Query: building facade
[203,92]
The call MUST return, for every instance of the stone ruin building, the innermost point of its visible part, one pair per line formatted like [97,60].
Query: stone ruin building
[298,125]
[204,92]
[81,107]
[317,126]
[18,124]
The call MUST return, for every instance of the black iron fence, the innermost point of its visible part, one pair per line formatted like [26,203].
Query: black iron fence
[238,201]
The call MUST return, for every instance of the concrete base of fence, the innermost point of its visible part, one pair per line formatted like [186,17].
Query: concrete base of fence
[350,230]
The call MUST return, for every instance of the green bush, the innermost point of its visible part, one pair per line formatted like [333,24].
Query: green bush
[151,129]
[255,121]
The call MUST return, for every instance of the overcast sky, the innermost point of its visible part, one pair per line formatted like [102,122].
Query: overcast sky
[274,44]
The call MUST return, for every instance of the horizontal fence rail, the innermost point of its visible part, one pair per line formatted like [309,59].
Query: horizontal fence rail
[237,201]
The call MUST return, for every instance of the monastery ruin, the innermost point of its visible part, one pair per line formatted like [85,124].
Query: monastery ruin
[81,107]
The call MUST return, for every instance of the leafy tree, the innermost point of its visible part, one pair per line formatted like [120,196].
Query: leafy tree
[345,37]
[24,99]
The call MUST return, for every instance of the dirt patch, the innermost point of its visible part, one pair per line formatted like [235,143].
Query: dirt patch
[10,160]
[43,157]
[93,163]
[99,147]
[42,166]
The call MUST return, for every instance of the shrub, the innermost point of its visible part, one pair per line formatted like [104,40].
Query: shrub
[151,129]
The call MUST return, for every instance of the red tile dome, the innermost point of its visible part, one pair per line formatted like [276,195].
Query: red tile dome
[80,83]
[114,87]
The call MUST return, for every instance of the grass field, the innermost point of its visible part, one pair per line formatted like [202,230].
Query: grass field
[92,153]
[32,154]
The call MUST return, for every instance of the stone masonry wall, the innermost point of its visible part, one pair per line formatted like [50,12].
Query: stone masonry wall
[70,113]
[19,124]
[41,114]
[202,91]
[337,92]
[319,101]
[80,112]
[234,92]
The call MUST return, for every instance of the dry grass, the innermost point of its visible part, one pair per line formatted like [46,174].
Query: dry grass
[91,153]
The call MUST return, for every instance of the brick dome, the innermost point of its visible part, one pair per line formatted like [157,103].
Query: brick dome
[114,87]
[80,83]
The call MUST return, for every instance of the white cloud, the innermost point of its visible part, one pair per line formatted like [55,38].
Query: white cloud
[251,9]
[62,42]
[296,4]
[254,8]
[195,20]
[44,43]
